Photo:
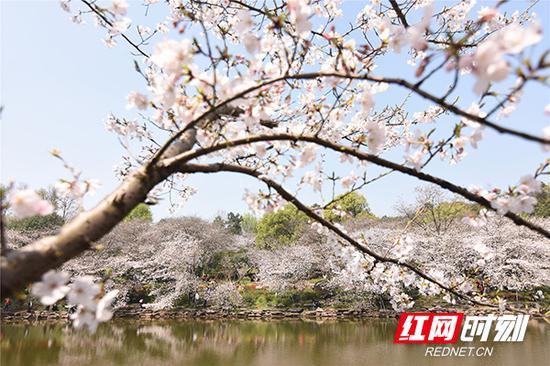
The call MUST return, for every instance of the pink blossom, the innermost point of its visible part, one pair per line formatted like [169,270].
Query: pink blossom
[26,203]
[529,185]
[119,7]
[486,14]
[488,64]
[137,100]
[376,136]
[349,180]
[299,15]
[172,55]
[308,155]
[251,43]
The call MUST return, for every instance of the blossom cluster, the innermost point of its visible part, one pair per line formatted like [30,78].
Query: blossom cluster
[518,199]
[26,203]
[82,293]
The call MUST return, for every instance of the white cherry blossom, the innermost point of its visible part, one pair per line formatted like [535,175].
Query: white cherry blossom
[51,288]
[299,15]
[26,203]
[104,310]
[119,7]
[376,136]
[137,100]
[83,291]
[84,317]
[172,55]
[415,159]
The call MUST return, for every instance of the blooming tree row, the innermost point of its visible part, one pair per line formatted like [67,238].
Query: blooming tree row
[276,90]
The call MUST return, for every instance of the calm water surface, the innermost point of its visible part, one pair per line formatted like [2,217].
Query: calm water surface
[242,343]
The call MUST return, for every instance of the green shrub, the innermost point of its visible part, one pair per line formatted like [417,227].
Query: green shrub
[185,300]
[35,223]
[227,265]
[281,227]
[231,223]
[140,292]
[263,298]
[542,208]
[249,224]
[140,212]
[353,204]
[448,211]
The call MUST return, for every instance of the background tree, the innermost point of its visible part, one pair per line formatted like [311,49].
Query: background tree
[65,206]
[434,210]
[348,205]
[249,224]
[280,228]
[141,212]
[231,222]
[542,207]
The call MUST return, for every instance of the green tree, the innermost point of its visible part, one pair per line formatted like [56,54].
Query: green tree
[35,223]
[65,206]
[542,208]
[140,212]
[231,222]
[353,204]
[249,224]
[281,227]
[435,211]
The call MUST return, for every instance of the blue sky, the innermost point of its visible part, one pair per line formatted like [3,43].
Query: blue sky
[59,82]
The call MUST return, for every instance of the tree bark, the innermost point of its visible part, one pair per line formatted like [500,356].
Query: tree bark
[26,265]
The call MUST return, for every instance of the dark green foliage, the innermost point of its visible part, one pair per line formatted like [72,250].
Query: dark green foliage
[35,223]
[140,212]
[262,298]
[232,222]
[185,300]
[227,265]
[140,292]
[542,208]
[281,227]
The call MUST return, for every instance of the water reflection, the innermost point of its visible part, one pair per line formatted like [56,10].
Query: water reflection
[202,343]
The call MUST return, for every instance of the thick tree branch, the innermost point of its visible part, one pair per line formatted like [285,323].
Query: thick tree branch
[221,167]
[399,13]
[518,220]
[397,81]
[23,266]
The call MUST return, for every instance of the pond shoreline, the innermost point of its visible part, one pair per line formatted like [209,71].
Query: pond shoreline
[237,313]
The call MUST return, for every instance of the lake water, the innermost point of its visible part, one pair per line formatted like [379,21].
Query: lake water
[241,343]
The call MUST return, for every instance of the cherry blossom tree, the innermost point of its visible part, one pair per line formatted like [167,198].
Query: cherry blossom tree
[275,89]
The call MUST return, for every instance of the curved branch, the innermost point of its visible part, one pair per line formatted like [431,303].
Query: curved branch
[221,167]
[23,266]
[314,75]
[108,22]
[185,157]
[399,13]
